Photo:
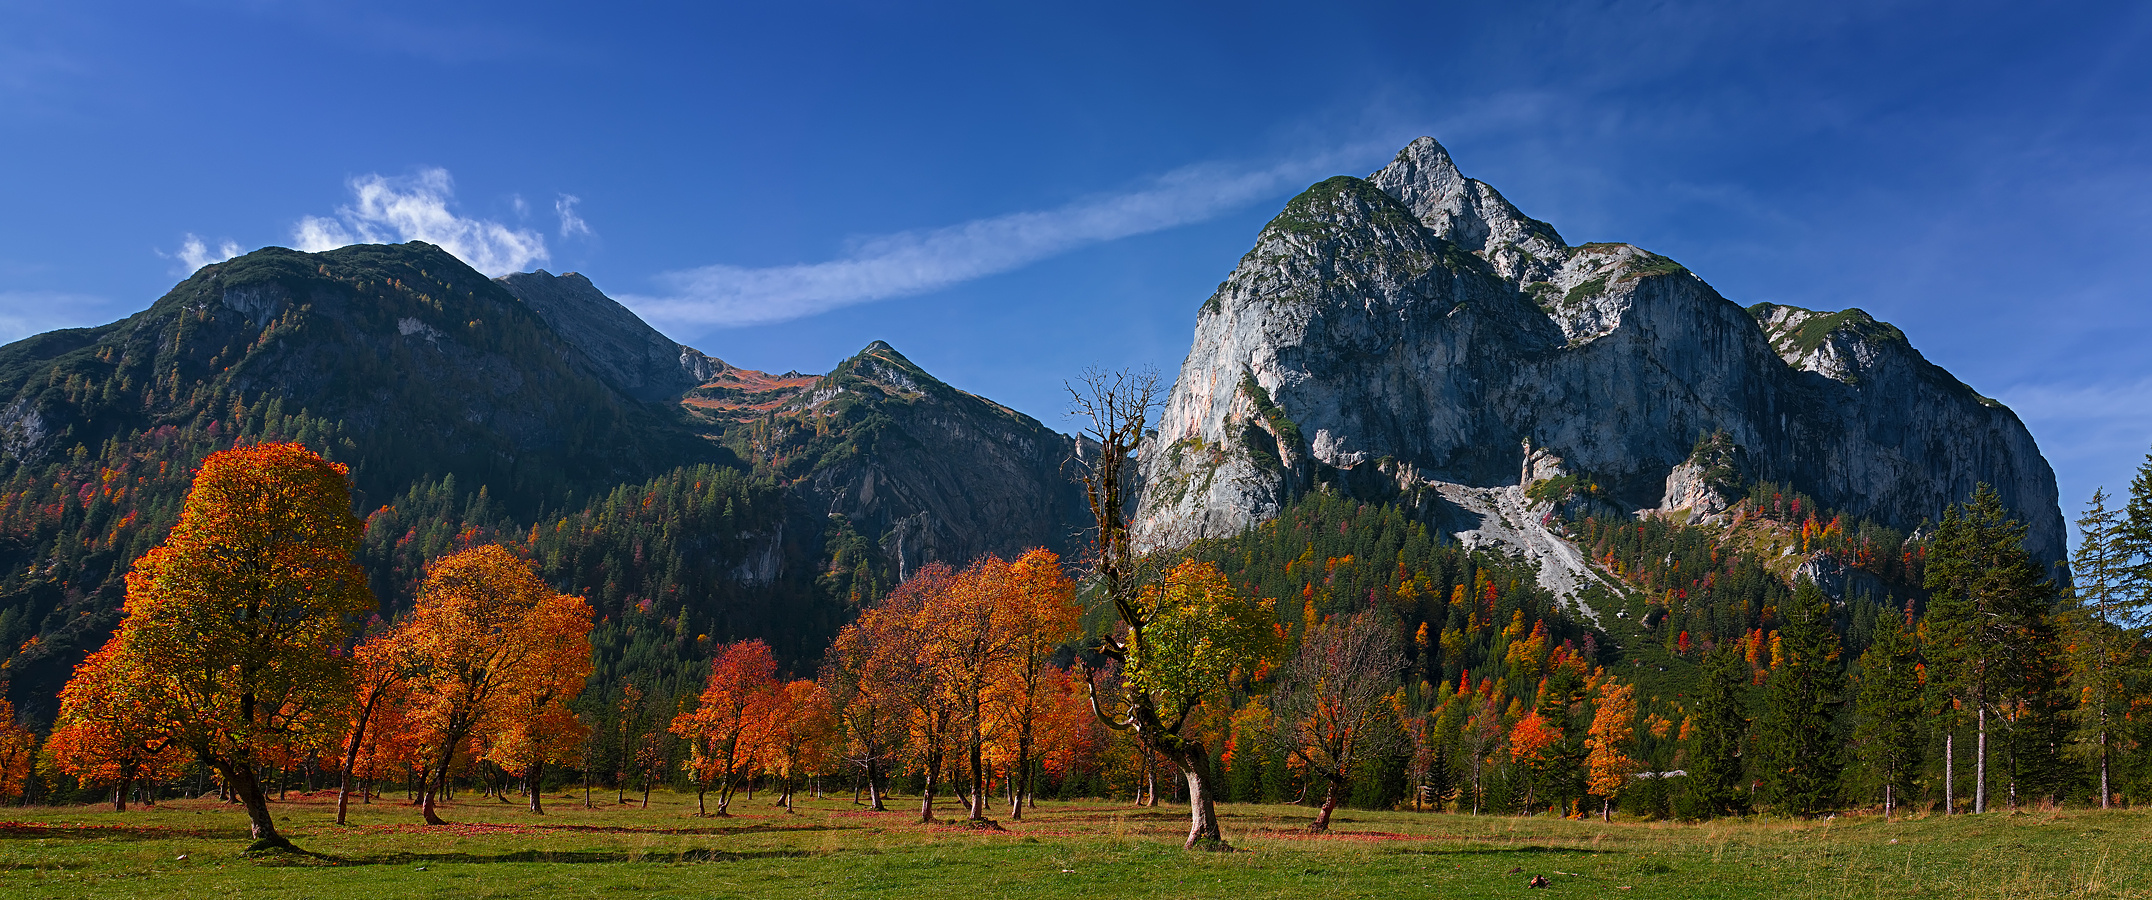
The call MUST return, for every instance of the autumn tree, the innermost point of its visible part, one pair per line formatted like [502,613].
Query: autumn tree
[18,752]
[1331,705]
[104,734]
[1183,633]
[1610,746]
[963,652]
[1040,616]
[797,735]
[536,728]
[860,675]
[381,674]
[1983,617]
[1188,636]
[238,620]
[901,628]
[484,630]
[724,730]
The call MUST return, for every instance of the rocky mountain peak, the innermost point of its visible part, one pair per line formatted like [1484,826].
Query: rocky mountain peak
[1471,213]
[1841,346]
[639,361]
[1413,337]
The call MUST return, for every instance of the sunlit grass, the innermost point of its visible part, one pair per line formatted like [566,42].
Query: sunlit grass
[831,848]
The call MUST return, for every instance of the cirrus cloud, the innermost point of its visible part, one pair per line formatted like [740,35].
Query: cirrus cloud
[915,262]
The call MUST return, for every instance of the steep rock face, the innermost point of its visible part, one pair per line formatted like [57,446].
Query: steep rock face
[1413,330]
[634,356]
[929,472]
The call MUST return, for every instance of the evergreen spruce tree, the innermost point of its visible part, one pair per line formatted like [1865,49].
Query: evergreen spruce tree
[1984,619]
[1797,737]
[1719,729]
[1889,713]
[2133,546]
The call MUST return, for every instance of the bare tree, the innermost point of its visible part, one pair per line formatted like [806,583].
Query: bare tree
[1332,706]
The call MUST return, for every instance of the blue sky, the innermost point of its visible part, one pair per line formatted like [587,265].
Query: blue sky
[1011,192]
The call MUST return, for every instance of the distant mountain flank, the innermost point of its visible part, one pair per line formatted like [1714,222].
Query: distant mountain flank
[1413,335]
[683,495]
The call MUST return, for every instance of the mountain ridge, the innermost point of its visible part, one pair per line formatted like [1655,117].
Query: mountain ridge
[1413,334]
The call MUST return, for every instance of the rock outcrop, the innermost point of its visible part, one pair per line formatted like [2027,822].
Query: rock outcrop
[1391,335]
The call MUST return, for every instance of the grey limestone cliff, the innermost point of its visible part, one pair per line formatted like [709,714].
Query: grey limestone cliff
[1413,335]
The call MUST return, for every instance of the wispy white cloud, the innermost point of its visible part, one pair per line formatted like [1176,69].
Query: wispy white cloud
[914,262]
[416,208]
[194,253]
[570,223]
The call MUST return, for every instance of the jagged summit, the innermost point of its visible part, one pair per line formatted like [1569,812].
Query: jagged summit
[1414,335]
[1470,213]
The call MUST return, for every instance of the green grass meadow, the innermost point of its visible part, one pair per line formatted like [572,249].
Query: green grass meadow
[831,848]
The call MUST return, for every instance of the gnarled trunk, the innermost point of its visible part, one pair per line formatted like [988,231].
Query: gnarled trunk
[1330,804]
[1203,831]
[239,776]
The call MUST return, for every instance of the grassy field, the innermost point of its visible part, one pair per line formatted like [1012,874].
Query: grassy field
[834,849]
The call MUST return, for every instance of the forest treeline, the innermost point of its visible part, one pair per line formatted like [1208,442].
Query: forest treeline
[1949,671]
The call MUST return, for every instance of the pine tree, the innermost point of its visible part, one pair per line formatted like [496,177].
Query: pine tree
[1797,737]
[1720,722]
[1888,712]
[1984,617]
[2133,546]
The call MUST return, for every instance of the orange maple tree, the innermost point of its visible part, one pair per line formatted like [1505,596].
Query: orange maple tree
[381,680]
[18,752]
[234,625]
[724,730]
[798,734]
[1038,614]
[861,671]
[1608,761]
[103,734]
[486,637]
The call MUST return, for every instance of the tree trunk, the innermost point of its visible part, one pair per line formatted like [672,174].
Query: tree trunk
[874,789]
[1980,762]
[926,795]
[435,785]
[240,777]
[1020,777]
[119,794]
[535,781]
[701,791]
[1203,831]
[1330,802]
[1950,759]
[1606,810]
[2105,796]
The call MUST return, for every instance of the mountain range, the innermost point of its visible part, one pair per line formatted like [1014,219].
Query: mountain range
[1409,338]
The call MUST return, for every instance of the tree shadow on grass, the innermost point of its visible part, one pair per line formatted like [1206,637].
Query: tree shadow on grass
[1497,850]
[38,830]
[308,858]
